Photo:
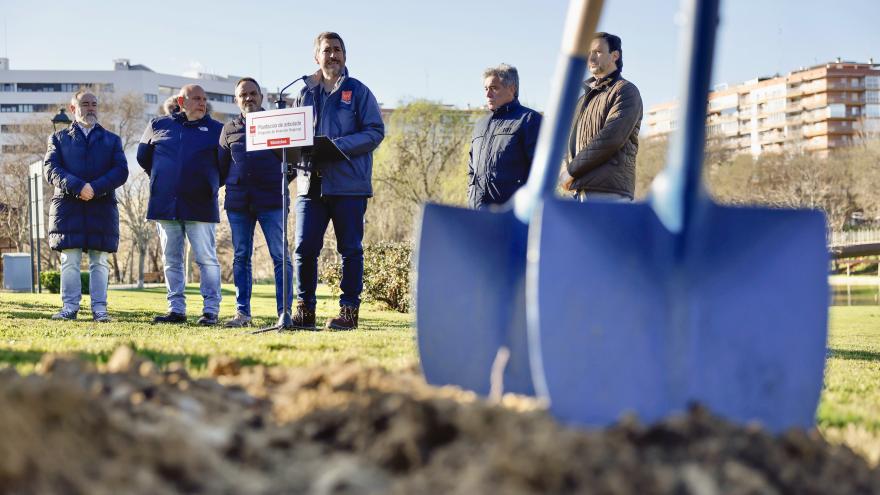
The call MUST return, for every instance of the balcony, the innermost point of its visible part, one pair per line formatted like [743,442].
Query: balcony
[772,137]
[819,129]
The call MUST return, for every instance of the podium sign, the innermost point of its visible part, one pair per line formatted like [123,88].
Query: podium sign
[282,128]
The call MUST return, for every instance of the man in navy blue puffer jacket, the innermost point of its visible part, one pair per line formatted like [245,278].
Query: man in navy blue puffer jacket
[347,112]
[86,164]
[253,194]
[503,142]
[180,153]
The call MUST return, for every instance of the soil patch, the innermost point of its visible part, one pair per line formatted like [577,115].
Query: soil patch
[350,429]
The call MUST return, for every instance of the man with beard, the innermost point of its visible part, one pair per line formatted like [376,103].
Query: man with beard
[347,112]
[86,164]
[604,139]
[179,152]
[253,194]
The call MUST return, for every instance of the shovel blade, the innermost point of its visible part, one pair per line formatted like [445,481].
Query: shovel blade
[731,314]
[470,298]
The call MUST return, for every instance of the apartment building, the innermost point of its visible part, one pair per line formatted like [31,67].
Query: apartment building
[25,94]
[815,109]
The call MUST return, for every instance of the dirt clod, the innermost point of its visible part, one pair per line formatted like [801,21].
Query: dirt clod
[350,429]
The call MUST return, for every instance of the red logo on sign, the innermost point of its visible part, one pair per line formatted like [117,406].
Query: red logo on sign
[278,142]
[253,129]
[346,97]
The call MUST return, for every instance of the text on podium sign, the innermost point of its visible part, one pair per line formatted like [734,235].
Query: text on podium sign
[282,128]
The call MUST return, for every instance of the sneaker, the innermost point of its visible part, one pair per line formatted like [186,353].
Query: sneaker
[304,317]
[65,314]
[170,317]
[347,319]
[101,317]
[240,320]
[208,319]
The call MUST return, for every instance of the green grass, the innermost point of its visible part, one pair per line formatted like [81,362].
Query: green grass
[849,410]
[26,333]
[852,372]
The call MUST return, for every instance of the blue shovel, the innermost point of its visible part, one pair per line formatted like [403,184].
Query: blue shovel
[470,265]
[647,308]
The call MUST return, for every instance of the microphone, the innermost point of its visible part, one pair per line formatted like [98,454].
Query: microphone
[280,103]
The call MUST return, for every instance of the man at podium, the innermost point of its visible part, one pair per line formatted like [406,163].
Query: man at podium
[336,188]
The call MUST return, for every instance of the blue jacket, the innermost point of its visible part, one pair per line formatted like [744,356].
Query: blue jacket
[253,178]
[182,160]
[350,116]
[72,161]
[502,149]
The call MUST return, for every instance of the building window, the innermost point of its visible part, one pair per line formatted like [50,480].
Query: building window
[7,87]
[221,98]
[151,98]
[105,88]
[837,110]
[25,107]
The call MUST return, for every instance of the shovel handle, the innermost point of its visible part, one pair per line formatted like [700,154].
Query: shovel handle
[677,190]
[580,25]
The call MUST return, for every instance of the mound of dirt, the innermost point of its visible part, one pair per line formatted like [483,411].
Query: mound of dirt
[350,429]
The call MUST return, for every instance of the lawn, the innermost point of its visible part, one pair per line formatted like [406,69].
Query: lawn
[384,337]
[849,410]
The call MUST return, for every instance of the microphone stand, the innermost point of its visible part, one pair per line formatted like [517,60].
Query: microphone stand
[284,320]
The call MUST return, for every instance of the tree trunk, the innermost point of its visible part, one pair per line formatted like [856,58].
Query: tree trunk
[142,255]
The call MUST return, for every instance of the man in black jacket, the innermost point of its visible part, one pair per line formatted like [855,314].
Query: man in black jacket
[86,164]
[503,142]
[253,194]
[604,139]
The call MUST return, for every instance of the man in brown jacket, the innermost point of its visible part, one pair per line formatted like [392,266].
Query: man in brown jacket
[604,138]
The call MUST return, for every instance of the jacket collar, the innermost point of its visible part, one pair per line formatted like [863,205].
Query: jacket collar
[314,81]
[241,118]
[180,118]
[510,106]
[75,126]
[601,84]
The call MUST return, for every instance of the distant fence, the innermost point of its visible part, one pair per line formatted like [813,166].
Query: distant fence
[854,237]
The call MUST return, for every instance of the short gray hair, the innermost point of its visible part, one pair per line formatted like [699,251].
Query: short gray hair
[507,74]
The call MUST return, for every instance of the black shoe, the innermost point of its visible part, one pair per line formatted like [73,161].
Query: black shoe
[208,319]
[170,317]
[304,317]
[65,315]
[347,319]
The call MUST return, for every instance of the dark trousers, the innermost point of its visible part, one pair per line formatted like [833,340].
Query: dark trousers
[313,214]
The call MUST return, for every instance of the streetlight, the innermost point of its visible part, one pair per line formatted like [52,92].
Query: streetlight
[60,118]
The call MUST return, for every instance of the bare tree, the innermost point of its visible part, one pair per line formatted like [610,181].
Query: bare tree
[133,199]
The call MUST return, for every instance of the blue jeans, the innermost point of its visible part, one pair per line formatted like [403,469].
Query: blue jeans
[71,284]
[172,234]
[313,214]
[243,224]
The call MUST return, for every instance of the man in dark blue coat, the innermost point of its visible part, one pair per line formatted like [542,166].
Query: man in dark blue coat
[503,143]
[347,112]
[179,151]
[86,164]
[253,194]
